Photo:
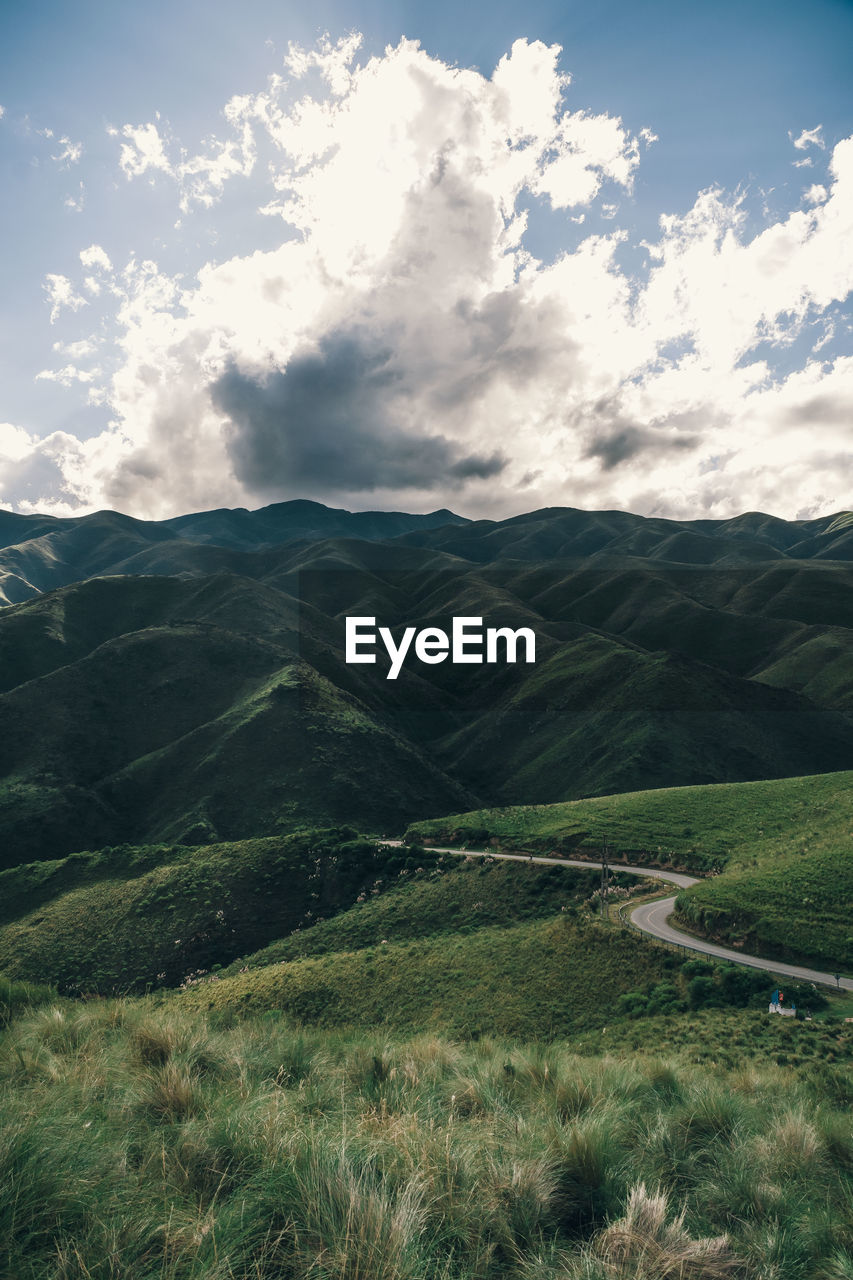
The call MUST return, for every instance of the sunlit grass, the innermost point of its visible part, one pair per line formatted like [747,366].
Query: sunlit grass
[139,1142]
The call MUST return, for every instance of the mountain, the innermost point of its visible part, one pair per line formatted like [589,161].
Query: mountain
[185,680]
[40,553]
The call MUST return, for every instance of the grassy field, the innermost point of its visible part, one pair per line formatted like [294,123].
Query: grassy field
[340,931]
[138,1143]
[781,848]
[543,978]
[396,1065]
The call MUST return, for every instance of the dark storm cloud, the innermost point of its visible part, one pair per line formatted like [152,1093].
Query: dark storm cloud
[326,423]
[620,446]
[476,467]
[615,439]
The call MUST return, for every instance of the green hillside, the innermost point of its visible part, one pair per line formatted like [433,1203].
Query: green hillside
[698,829]
[204,724]
[208,700]
[340,931]
[140,709]
[792,904]
[127,918]
[783,848]
[437,895]
[529,980]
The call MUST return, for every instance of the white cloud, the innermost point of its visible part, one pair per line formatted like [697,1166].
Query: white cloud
[402,345]
[67,375]
[332,60]
[202,177]
[60,293]
[39,474]
[70,152]
[143,150]
[809,138]
[76,202]
[15,442]
[76,350]
[95,258]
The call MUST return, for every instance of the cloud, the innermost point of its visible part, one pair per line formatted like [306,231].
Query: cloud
[15,442]
[77,202]
[143,151]
[402,339]
[332,60]
[30,468]
[69,153]
[809,138]
[95,258]
[77,350]
[67,375]
[60,293]
[201,178]
[328,420]
[615,439]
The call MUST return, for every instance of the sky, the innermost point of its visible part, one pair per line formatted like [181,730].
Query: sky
[386,255]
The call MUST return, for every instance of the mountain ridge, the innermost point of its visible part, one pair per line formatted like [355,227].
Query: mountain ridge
[41,553]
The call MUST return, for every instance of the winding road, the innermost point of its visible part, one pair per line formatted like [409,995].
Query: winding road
[653,917]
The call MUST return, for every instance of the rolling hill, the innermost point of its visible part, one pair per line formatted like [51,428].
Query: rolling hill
[776,855]
[184,681]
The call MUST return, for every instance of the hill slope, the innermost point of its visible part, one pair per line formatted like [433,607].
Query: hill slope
[780,852]
[207,698]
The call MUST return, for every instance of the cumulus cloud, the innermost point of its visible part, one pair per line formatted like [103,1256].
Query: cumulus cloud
[202,177]
[402,341]
[614,438]
[31,468]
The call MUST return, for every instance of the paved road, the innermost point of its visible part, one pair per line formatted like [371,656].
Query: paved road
[653,917]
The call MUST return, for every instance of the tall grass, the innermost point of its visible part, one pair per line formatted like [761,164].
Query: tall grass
[141,1143]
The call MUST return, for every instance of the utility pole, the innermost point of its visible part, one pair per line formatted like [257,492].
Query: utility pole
[604,875]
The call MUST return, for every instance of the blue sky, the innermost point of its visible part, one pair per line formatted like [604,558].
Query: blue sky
[579,373]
